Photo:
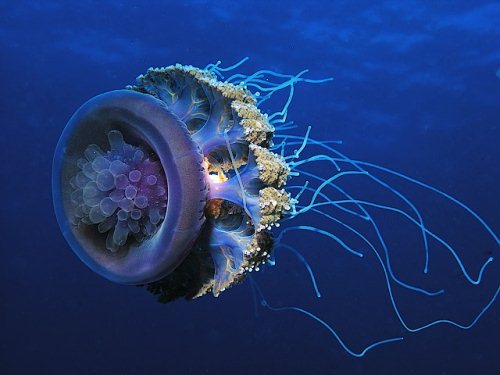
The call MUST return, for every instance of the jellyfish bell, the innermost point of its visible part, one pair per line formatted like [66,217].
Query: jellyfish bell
[106,146]
[178,182]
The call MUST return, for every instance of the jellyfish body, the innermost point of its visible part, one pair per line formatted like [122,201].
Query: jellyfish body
[172,174]
[176,184]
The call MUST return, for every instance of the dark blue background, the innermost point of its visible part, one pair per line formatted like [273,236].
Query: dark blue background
[417,88]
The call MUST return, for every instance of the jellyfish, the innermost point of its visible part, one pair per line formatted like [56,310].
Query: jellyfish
[181,184]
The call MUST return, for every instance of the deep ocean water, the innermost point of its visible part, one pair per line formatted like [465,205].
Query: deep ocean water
[416,89]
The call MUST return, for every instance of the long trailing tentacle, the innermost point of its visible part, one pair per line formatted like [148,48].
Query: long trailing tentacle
[343,158]
[330,329]
[380,182]
[423,228]
[364,216]
[301,258]
[314,206]
[391,294]
[266,83]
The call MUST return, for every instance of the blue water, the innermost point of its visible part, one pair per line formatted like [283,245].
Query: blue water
[417,89]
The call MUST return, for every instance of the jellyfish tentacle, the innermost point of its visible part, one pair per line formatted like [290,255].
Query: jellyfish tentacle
[429,187]
[378,181]
[255,81]
[362,214]
[296,153]
[377,231]
[342,157]
[473,322]
[330,329]
[294,165]
[322,232]
[415,222]
[398,313]
[418,223]
[327,182]
[286,126]
[304,262]
[215,68]
[450,249]
[365,216]
[386,266]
